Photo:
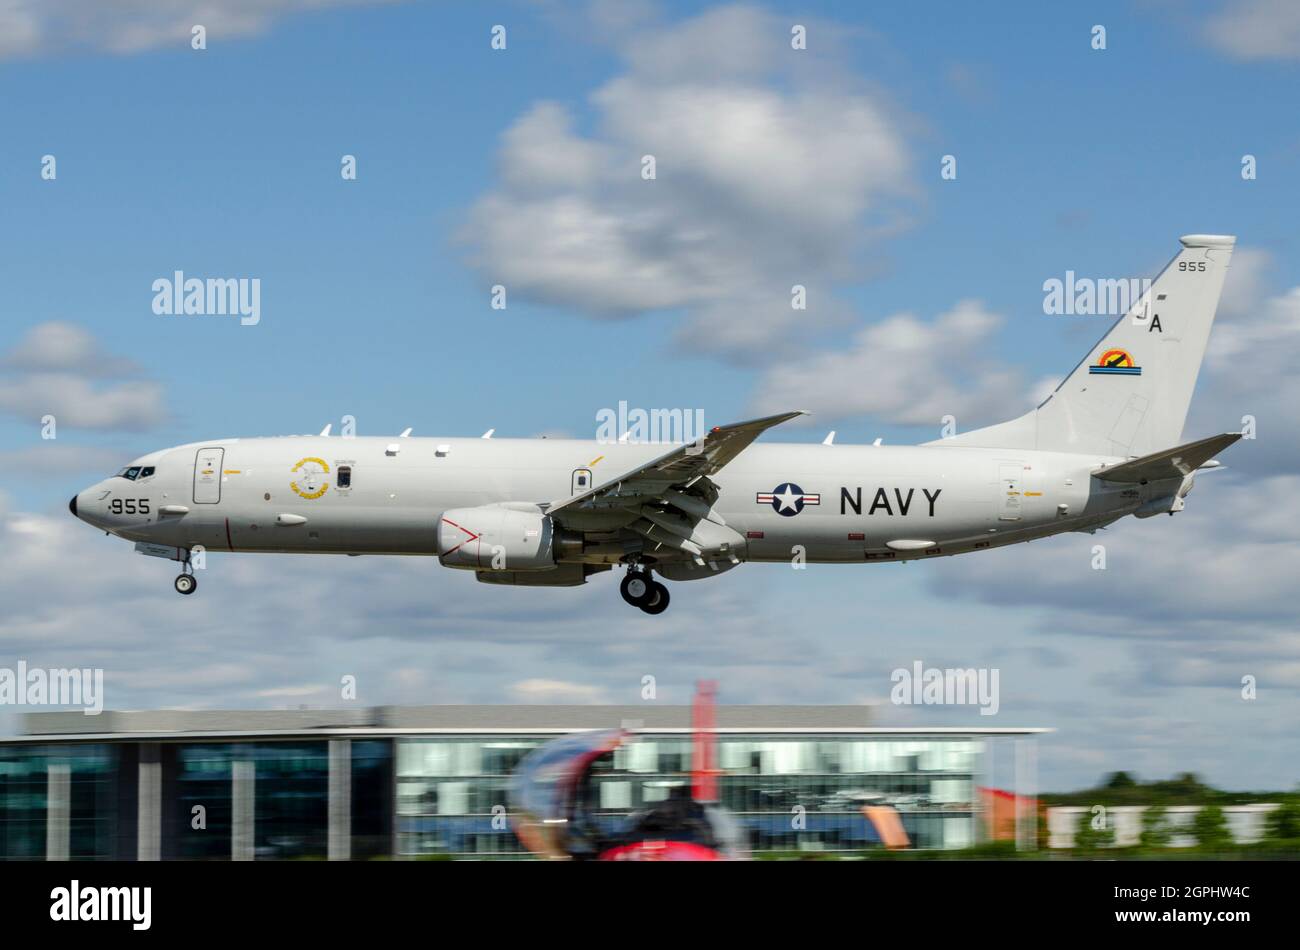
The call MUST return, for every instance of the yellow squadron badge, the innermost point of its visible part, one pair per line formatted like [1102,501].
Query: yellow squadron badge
[311,477]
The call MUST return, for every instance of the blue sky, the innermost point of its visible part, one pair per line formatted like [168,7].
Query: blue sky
[226,162]
[375,292]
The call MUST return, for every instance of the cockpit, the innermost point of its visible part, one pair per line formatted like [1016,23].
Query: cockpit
[134,472]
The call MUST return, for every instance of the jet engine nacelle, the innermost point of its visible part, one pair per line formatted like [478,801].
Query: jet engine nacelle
[496,538]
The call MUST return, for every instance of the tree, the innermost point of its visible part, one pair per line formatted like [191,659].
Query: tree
[1283,823]
[1094,830]
[1210,828]
[1187,784]
[1155,827]
[1120,780]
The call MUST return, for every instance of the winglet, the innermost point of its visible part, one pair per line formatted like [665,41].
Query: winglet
[326,430]
[775,420]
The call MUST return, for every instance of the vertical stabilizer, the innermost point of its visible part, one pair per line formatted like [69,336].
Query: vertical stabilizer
[1130,394]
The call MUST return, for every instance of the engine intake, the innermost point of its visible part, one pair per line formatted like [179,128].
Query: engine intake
[496,538]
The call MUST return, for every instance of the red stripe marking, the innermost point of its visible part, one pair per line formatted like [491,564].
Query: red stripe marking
[472,537]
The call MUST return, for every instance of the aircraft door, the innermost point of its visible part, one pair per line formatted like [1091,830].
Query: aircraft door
[207,476]
[581,481]
[1010,488]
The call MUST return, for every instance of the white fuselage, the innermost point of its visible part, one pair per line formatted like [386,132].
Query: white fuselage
[839,503]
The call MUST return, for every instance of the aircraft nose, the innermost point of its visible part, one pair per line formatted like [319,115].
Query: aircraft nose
[72,506]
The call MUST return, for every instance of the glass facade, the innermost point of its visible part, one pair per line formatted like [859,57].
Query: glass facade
[451,795]
[789,793]
[446,795]
[372,798]
[290,798]
[24,792]
[291,795]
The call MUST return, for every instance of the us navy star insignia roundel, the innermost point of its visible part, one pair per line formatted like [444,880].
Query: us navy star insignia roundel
[788,499]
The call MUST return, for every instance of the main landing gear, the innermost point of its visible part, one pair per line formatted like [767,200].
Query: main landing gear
[641,590]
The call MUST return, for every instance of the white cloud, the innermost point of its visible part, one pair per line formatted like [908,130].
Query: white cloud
[77,404]
[1256,30]
[1160,641]
[557,691]
[55,457]
[905,370]
[50,372]
[770,166]
[1244,287]
[20,27]
[1212,585]
[275,631]
[41,27]
[56,346]
[1250,369]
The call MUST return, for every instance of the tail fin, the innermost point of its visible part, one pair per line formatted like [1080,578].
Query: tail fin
[1131,393]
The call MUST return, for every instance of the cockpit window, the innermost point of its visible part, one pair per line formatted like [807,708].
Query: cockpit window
[131,473]
[146,472]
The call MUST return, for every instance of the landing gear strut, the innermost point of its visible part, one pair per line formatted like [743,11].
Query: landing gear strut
[641,590]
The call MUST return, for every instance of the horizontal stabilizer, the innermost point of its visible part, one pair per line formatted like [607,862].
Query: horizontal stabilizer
[1171,463]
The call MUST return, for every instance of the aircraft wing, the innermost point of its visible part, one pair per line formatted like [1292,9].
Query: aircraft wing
[675,470]
[1171,463]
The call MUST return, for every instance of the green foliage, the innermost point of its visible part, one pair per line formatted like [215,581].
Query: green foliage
[1124,788]
[993,849]
[1155,827]
[1095,831]
[1120,780]
[1283,823]
[1210,828]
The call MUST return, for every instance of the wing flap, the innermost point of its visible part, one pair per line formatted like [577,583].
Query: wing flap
[1171,463]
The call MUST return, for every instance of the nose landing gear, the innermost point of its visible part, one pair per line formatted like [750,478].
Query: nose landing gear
[641,590]
[186,582]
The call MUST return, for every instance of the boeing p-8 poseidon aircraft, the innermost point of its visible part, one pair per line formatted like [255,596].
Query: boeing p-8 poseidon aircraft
[551,512]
